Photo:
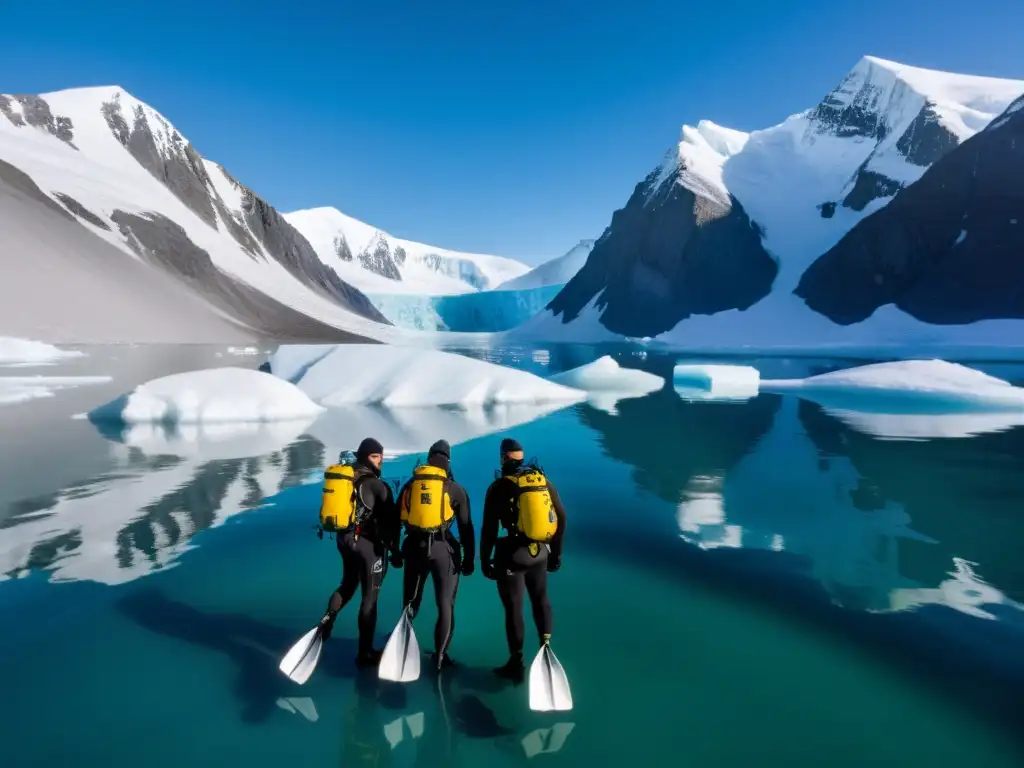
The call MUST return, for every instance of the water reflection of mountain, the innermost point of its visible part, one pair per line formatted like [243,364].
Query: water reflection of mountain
[881,525]
[123,523]
[966,493]
[669,441]
[163,485]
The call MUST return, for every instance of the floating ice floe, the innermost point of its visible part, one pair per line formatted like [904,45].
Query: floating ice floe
[402,377]
[906,387]
[209,396]
[26,352]
[606,382]
[21,389]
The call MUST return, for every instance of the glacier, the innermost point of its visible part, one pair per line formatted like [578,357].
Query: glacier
[483,312]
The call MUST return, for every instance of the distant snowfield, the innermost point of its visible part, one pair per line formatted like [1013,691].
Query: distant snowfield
[783,325]
[557,271]
[322,227]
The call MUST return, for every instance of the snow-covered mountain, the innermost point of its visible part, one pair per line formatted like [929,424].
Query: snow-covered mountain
[557,271]
[711,245]
[117,229]
[377,262]
[131,179]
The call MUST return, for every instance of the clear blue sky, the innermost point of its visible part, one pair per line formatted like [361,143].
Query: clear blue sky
[500,127]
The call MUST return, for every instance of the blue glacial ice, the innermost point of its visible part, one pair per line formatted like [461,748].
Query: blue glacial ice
[486,311]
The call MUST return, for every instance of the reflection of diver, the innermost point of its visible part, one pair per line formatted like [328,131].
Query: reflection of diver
[546,741]
[364,742]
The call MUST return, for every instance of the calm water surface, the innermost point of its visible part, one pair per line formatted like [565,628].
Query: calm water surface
[755,583]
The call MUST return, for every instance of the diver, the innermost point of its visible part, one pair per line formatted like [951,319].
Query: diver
[428,504]
[526,504]
[360,508]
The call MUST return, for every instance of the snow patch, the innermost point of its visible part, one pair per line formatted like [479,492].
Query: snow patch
[426,269]
[377,374]
[210,395]
[558,271]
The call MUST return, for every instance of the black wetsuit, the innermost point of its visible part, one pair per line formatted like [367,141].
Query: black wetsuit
[515,568]
[444,558]
[364,553]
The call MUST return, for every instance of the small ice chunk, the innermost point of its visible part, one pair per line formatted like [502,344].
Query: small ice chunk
[716,382]
[210,395]
[21,351]
[400,377]
[907,386]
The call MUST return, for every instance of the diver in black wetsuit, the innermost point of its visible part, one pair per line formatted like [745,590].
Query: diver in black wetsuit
[364,549]
[428,504]
[521,564]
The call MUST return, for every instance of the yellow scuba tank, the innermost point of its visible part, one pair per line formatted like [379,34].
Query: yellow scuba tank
[536,519]
[425,504]
[340,507]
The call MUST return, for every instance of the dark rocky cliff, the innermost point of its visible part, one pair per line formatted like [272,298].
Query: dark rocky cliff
[949,249]
[668,254]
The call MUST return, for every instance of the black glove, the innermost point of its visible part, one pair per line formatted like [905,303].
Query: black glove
[468,566]
[396,560]
[554,562]
[487,568]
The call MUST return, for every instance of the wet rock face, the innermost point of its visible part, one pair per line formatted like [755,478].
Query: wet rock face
[949,249]
[24,109]
[165,244]
[670,254]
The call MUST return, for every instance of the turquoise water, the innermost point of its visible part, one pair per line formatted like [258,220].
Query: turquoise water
[744,584]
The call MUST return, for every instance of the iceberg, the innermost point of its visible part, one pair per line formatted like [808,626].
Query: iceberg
[210,395]
[399,377]
[606,382]
[908,386]
[26,352]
